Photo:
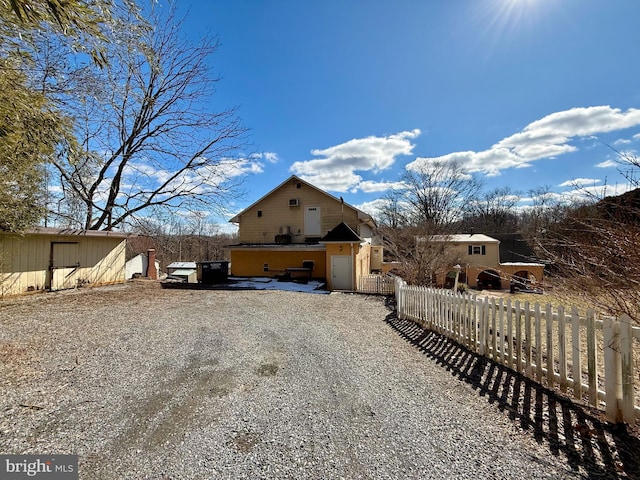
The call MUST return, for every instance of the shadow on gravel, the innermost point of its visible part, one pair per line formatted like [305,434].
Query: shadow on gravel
[602,449]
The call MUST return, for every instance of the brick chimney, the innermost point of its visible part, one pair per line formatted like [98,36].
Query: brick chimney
[152,273]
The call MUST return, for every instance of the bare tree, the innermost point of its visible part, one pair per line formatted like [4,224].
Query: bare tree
[435,196]
[178,238]
[493,212]
[32,126]
[594,250]
[147,133]
[438,193]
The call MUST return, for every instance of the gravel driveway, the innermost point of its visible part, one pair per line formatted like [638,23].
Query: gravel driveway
[148,383]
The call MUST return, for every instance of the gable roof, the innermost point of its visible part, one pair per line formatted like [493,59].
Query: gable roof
[341,233]
[362,216]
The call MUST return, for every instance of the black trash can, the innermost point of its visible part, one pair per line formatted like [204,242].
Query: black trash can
[212,272]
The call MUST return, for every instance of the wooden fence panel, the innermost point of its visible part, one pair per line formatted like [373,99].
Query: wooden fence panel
[529,338]
[376,284]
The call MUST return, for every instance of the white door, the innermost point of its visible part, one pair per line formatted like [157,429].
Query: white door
[312,222]
[341,272]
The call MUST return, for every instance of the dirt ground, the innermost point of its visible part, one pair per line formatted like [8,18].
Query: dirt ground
[143,382]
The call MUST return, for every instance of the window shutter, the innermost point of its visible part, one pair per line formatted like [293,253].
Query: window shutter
[484,250]
[470,250]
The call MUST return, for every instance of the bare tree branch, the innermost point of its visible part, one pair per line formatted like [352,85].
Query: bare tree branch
[151,137]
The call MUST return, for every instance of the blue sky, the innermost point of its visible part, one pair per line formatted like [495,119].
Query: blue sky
[347,94]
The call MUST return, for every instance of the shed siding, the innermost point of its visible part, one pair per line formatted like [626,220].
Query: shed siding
[24,261]
[276,213]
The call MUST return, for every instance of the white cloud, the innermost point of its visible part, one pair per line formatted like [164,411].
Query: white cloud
[594,192]
[373,208]
[607,164]
[636,136]
[336,169]
[579,182]
[369,186]
[545,138]
[270,157]
[622,141]
[437,168]
[150,177]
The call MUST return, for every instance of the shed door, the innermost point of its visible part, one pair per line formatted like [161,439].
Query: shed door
[341,272]
[312,225]
[66,263]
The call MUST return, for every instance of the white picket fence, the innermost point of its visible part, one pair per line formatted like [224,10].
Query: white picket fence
[379,284]
[593,357]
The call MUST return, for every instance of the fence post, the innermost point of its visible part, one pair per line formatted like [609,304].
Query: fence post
[592,358]
[538,330]
[480,319]
[627,370]
[528,369]
[494,333]
[509,334]
[500,332]
[562,348]
[518,338]
[612,370]
[577,354]
[551,362]
[476,325]
[484,321]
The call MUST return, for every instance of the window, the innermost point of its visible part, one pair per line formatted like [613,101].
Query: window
[259,213]
[477,250]
[265,267]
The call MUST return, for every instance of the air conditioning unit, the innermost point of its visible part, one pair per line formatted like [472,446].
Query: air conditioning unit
[294,202]
[284,230]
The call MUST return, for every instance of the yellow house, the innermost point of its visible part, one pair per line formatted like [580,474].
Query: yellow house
[479,257]
[57,259]
[297,229]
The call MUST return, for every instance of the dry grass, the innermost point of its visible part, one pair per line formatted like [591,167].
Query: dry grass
[556,296]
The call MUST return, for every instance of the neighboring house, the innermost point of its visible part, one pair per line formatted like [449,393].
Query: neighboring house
[487,262]
[297,229]
[139,265]
[57,259]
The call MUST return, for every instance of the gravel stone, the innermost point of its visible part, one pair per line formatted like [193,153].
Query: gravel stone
[147,383]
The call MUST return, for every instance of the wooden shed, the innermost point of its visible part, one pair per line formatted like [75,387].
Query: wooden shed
[56,259]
